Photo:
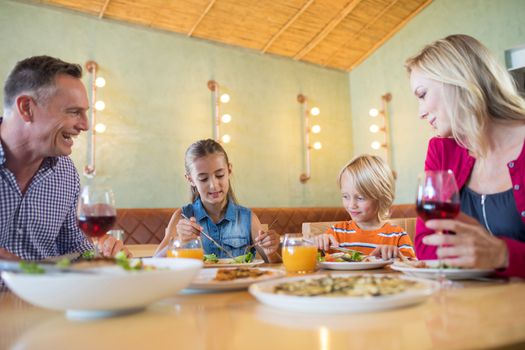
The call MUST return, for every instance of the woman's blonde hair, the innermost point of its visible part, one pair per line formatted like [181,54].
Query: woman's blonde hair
[201,149]
[373,179]
[477,89]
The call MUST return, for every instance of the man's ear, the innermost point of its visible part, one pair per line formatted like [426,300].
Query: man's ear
[24,105]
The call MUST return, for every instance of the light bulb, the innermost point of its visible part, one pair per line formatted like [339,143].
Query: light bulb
[316,129]
[100,105]
[315,111]
[373,112]
[225,98]
[318,145]
[226,118]
[100,82]
[226,138]
[100,128]
[376,145]
[374,128]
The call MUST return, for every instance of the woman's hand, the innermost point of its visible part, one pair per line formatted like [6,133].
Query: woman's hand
[325,241]
[188,229]
[385,251]
[472,246]
[109,246]
[268,241]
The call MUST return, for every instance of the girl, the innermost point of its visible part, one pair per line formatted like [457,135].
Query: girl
[214,208]
[367,187]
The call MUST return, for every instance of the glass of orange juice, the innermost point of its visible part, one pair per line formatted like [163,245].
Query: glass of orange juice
[191,249]
[299,254]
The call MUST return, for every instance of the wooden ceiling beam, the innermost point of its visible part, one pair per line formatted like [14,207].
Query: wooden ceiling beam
[289,23]
[103,10]
[356,35]
[327,29]
[206,10]
[389,35]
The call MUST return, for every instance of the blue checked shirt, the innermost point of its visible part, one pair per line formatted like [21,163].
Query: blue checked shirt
[42,222]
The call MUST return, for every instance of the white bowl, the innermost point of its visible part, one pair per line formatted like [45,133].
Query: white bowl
[111,290]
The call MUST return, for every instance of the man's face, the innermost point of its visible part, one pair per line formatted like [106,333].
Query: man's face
[60,118]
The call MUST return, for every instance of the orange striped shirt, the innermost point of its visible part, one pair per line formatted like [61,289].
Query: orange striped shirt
[349,235]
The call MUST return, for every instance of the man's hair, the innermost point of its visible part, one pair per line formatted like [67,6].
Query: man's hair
[36,76]
[373,179]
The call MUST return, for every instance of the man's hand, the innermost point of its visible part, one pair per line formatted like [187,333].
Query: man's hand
[109,246]
[7,255]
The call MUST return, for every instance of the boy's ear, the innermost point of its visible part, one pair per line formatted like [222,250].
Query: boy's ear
[23,106]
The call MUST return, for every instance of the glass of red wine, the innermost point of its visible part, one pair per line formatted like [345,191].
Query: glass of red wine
[438,198]
[96,213]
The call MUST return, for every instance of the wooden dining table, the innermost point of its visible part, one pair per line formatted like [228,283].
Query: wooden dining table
[488,313]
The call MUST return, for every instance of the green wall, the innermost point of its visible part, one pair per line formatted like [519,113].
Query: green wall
[157,103]
[499,24]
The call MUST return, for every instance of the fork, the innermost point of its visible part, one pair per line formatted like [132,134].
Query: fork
[257,243]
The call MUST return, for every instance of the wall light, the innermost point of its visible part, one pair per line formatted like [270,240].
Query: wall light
[225,98]
[94,127]
[305,117]
[217,99]
[226,118]
[374,128]
[100,128]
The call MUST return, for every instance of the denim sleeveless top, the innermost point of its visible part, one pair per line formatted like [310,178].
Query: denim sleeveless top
[233,231]
[497,212]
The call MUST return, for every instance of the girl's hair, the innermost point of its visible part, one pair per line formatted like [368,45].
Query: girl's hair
[201,149]
[477,89]
[373,179]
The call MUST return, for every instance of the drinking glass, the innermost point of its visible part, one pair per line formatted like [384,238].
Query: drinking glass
[438,198]
[96,213]
[299,254]
[191,249]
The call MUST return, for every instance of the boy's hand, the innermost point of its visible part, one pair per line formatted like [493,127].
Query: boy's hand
[385,252]
[325,241]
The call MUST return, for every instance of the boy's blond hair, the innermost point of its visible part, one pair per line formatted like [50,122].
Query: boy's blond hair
[374,179]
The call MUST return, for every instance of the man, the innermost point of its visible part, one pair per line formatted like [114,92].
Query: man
[45,105]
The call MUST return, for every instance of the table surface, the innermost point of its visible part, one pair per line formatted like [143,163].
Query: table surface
[475,314]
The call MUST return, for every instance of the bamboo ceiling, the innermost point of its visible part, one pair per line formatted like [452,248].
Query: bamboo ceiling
[337,34]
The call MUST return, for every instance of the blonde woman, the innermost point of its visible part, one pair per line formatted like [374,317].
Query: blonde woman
[367,188]
[472,103]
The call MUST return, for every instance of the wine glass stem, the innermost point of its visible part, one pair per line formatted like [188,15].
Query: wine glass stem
[441,274]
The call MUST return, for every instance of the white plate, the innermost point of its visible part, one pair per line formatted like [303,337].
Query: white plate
[432,272]
[205,280]
[109,291]
[350,266]
[229,263]
[340,304]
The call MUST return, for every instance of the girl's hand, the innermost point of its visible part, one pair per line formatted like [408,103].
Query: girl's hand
[385,252]
[325,241]
[109,246]
[268,241]
[188,229]
[472,246]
